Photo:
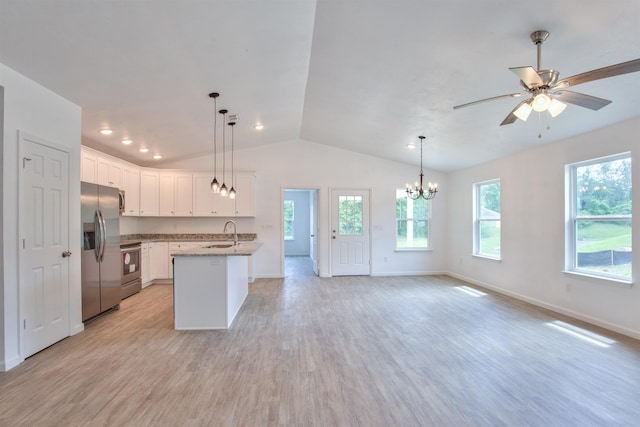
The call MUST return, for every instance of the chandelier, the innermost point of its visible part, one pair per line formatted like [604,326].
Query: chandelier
[419,191]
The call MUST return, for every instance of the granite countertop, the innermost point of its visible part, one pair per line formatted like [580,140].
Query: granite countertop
[222,249]
[143,238]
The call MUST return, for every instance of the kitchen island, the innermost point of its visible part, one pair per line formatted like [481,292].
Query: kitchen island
[210,284]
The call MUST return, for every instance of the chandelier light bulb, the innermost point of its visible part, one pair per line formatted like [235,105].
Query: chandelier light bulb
[232,193]
[541,102]
[223,190]
[523,111]
[556,107]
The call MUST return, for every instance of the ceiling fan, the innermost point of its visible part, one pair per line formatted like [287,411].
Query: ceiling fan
[547,93]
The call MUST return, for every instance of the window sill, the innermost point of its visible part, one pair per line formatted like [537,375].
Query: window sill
[487,257]
[413,250]
[601,279]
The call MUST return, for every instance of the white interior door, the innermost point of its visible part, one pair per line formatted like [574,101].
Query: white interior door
[350,233]
[44,256]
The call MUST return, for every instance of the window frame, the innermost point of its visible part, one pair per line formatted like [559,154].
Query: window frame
[573,218]
[407,219]
[292,220]
[478,219]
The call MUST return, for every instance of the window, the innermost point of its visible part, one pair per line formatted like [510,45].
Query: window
[486,229]
[599,226]
[289,209]
[412,222]
[350,221]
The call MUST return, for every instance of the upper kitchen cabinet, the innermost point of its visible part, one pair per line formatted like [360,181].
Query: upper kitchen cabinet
[176,194]
[109,172]
[244,185]
[149,192]
[131,188]
[89,166]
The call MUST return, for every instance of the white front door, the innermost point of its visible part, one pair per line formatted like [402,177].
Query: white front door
[44,242]
[350,232]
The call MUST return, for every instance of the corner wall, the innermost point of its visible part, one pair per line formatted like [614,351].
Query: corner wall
[36,110]
[533,230]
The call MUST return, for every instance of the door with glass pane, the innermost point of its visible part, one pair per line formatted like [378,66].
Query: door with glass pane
[350,233]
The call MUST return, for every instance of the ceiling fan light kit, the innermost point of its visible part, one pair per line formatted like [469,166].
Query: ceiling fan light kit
[544,86]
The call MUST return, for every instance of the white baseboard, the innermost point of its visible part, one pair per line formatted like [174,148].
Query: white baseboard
[77,329]
[576,315]
[409,273]
[5,365]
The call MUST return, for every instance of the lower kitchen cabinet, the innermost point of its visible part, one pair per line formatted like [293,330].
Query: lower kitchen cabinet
[160,257]
[145,265]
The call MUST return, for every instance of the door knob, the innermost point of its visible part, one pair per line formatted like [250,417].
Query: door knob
[66,254]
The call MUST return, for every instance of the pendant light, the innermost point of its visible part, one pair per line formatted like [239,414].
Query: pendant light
[232,192]
[223,187]
[419,191]
[215,186]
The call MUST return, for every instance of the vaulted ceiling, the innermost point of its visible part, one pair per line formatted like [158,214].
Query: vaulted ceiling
[366,76]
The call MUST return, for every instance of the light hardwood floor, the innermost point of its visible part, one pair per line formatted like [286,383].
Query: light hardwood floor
[308,351]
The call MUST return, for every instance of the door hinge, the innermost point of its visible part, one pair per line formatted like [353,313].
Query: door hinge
[24,161]
[24,324]
[24,243]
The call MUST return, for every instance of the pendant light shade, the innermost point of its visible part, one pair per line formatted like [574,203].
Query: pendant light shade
[232,191]
[224,192]
[215,186]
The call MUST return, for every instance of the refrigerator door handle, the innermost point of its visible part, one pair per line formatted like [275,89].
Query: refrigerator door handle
[98,235]
[103,235]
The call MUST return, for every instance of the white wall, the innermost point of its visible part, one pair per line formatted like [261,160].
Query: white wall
[303,164]
[300,245]
[533,230]
[37,111]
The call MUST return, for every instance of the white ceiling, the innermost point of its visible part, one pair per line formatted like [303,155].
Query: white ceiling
[367,76]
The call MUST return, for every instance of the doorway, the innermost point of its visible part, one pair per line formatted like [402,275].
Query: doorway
[44,249]
[350,234]
[300,231]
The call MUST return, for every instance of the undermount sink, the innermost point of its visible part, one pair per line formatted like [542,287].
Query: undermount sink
[220,246]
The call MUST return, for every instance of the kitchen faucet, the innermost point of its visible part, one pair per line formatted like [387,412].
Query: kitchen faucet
[235,232]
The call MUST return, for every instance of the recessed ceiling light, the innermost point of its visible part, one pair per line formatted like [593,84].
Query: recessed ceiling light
[411,146]
[143,150]
[106,131]
[126,141]
[157,156]
[258,127]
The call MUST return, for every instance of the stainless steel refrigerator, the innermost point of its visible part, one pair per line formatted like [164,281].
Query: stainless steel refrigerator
[100,249]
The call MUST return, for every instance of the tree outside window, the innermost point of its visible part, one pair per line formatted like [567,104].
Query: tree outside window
[412,222]
[486,239]
[289,209]
[599,226]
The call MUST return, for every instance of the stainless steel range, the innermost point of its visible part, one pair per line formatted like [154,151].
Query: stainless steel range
[131,272]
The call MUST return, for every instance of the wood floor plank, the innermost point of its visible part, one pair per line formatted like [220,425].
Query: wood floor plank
[347,351]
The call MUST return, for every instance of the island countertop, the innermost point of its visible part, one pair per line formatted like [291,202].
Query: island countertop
[222,249]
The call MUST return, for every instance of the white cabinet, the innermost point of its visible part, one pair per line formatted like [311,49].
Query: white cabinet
[244,184]
[131,187]
[88,166]
[176,194]
[109,172]
[149,192]
[145,265]
[202,195]
[160,260]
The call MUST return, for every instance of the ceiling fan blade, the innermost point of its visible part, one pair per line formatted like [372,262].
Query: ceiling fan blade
[511,95]
[601,73]
[586,101]
[511,117]
[528,75]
